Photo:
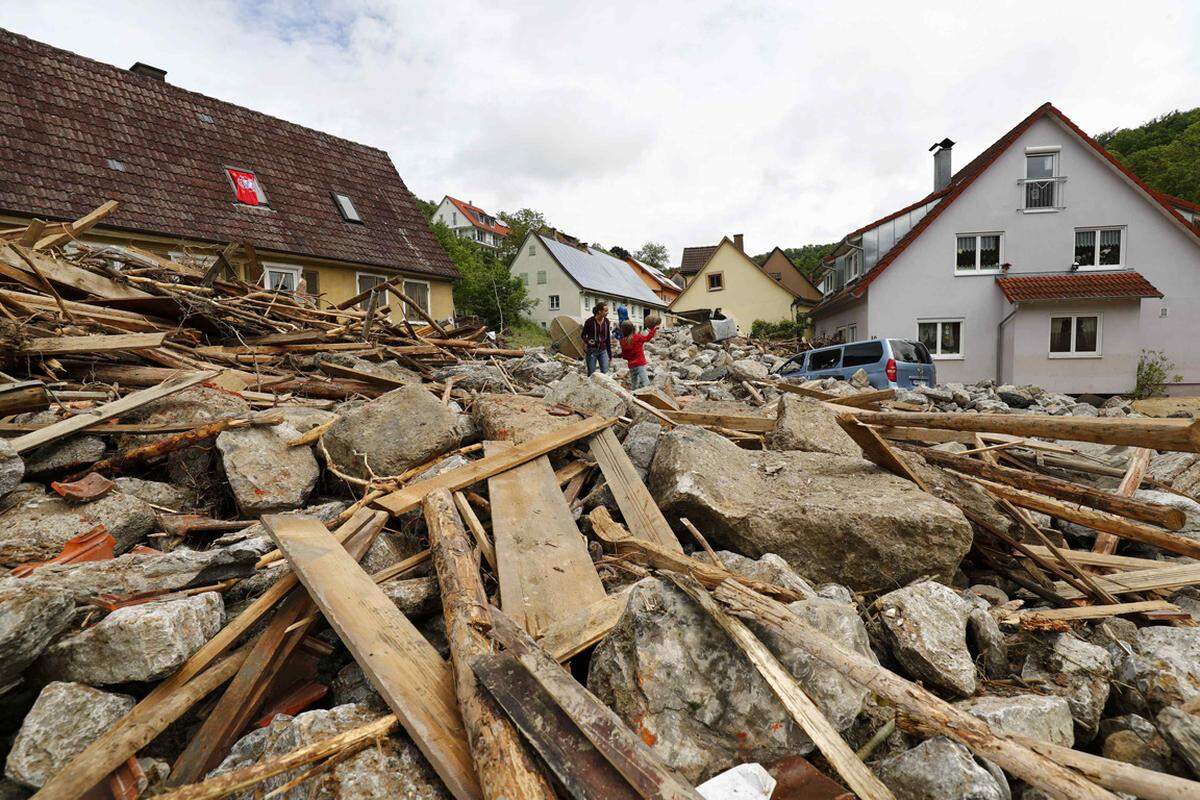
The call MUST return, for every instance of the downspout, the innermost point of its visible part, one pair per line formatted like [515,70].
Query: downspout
[1000,343]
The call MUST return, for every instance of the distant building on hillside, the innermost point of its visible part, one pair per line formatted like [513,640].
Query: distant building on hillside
[656,280]
[469,221]
[781,268]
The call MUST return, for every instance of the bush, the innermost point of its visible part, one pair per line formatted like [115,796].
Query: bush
[787,329]
[487,289]
[1152,374]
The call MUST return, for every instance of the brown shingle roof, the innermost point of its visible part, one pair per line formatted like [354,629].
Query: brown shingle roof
[1076,286]
[65,115]
[694,258]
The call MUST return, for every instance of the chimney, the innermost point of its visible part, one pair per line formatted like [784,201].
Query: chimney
[941,164]
[147,71]
[739,242]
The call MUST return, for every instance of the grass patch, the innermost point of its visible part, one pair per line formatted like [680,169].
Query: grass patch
[527,333]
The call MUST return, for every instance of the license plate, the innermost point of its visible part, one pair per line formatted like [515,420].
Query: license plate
[920,382]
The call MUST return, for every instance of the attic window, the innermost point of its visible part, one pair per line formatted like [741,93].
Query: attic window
[346,207]
[119,166]
[246,188]
[205,118]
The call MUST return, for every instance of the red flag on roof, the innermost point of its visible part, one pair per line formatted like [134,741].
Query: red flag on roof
[245,186]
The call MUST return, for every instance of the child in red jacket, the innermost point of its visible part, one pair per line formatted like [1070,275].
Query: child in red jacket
[633,351]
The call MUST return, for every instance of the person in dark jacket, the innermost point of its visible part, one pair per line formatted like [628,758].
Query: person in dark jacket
[597,339]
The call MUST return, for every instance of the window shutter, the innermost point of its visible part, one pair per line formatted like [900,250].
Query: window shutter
[312,279]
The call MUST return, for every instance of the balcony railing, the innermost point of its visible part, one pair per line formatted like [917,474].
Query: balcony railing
[1042,193]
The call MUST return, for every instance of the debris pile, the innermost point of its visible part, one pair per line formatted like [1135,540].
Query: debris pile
[279,549]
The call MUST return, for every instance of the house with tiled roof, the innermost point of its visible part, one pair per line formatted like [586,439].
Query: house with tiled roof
[191,174]
[469,221]
[656,280]
[1043,261]
[783,269]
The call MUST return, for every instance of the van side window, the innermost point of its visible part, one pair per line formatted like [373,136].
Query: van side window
[857,355]
[824,359]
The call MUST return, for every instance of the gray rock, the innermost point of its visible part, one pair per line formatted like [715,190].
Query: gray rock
[12,468]
[805,423]
[1044,717]
[515,418]
[415,597]
[994,595]
[769,569]
[351,685]
[1181,730]
[1163,668]
[986,640]
[393,432]
[1128,722]
[157,493]
[833,518]
[674,676]
[1015,396]
[1084,410]
[30,617]
[640,443]
[926,626]
[1131,748]
[65,719]
[1189,507]
[938,769]
[192,466]
[1075,670]
[135,643]
[581,394]
[73,453]
[37,527]
[860,379]
[265,474]
[747,369]
[391,767]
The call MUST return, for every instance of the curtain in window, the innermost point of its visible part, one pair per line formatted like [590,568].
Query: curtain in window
[1085,248]
[1086,329]
[1060,334]
[927,333]
[1110,247]
[989,252]
[419,294]
[966,253]
[951,335]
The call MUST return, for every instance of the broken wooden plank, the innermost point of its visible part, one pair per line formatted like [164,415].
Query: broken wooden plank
[416,683]
[1135,471]
[641,513]
[1169,576]
[504,767]
[1093,559]
[876,450]
[410,496]
[864,399]
[1091,612]
[66,345]
[71,230]
[569,636]
[545,570]
[64,274]
[738,422]
[87,419]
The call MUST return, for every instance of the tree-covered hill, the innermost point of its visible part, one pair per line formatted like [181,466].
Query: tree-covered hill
[1165,152]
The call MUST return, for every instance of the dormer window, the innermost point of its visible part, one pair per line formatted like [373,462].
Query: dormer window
[346,208]
[246,188]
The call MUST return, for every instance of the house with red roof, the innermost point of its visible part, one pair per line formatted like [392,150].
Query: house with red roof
[1043,261]
[469,221]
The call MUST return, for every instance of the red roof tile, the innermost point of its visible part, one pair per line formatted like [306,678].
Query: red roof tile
[66,115]
[1076,286]
[478,217]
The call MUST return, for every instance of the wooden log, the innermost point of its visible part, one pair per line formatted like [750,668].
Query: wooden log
[1125,506]
[1140,782]
[1097,520]
[416,683]
[946,719]
[16,398]
[87,419]
[504,767]
[1135,471]
[804,711]
[1159,434]
[638,507]
[410,496]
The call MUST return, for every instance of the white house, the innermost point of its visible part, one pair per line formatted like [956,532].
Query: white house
[469,221]
[1042,261]
[568,277]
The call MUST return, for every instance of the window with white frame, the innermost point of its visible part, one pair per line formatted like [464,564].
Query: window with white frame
[1099,248]
[367,280]
[553,302]
[848,333]
[1075,336]
[941,337]
[1041,179]
[418,292]
[978,253]
[853,264]
[281,278]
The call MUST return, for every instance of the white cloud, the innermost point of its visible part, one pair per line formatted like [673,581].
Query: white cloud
[679,122]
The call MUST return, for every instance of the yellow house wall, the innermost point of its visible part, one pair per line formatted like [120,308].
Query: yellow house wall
[338,280]
[748,295]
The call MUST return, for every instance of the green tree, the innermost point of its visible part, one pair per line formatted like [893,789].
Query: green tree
[1165,152]
[807,257]
[428,207]
[487,289]
[519,223]
[653,253]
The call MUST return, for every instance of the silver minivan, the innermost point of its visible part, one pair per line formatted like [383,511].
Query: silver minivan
[889,363]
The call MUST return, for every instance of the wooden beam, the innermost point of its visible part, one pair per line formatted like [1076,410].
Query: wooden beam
[414,680]
[638,507]
[87,419]
[545,570]
[506,771]
[72,230]
[1159,434]
[864,399]
[1092,612]
[569,636]
[65,345]
[66,274]
[1093,559]
[32,233]
[738,422]
[1172,576]
[1139,462]
[410,496]
[876,450]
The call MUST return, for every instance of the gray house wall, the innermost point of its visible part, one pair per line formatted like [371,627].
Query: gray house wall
[1112,373]
[535,258]
[922,282]
[856,314]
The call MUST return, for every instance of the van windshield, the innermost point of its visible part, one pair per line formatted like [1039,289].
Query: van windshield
[910,352]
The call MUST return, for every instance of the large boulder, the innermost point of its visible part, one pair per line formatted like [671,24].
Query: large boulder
[516,418]
[12,468]
[157,493]
[747,369]
[939,769]
[1161,668]
[1073,669]
[391,767]
[1182,731]
[265,474]
[805,423]
[1035,716]
[926,626]
[198,405]
[834,518]
[135,643]
[676,678]
[586,395]
[37,527]
[392,433]
[30,617]
[65,719]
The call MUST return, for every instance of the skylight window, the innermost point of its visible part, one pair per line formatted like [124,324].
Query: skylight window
[246,188]
[346,207]
[119,166]
[206,118]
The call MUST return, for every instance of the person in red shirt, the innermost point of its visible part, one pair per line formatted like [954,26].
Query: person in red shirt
[633,351]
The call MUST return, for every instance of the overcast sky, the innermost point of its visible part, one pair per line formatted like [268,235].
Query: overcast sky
[625,122]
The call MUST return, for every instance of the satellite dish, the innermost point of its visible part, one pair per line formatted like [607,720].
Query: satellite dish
[566,336]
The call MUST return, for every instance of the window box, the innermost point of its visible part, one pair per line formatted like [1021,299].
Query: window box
[1075,336]
[1099,248]
[943,338]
